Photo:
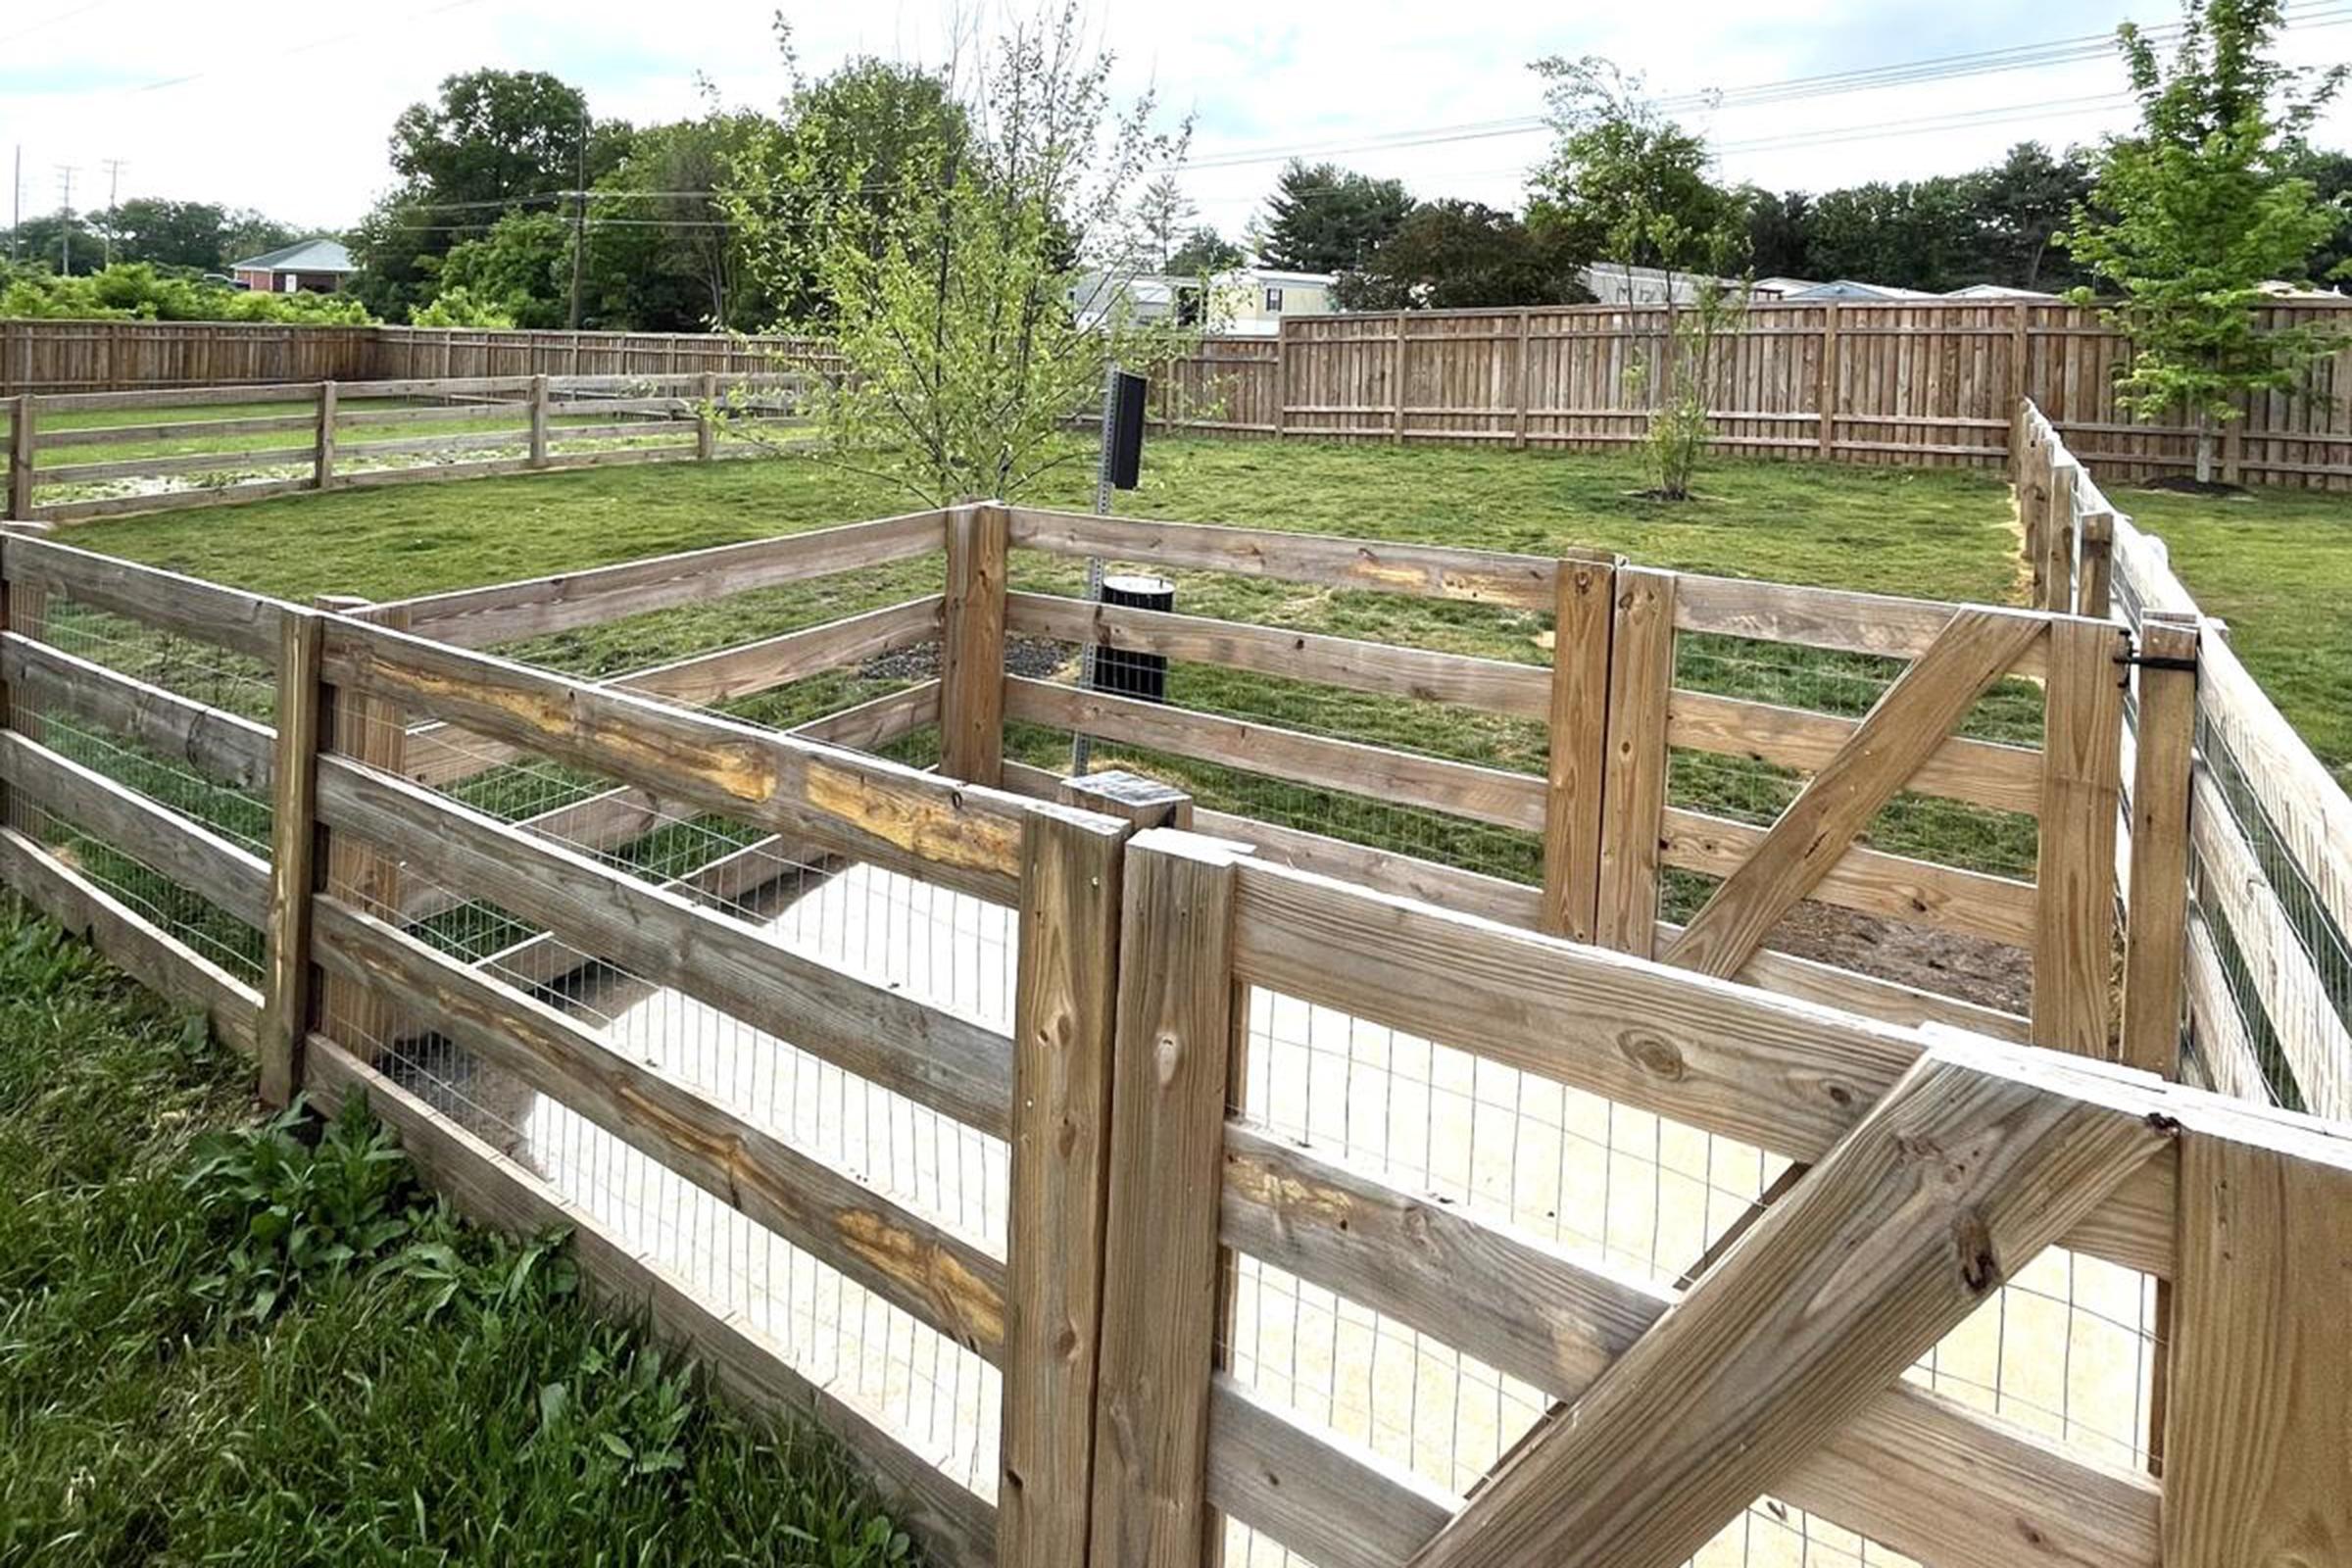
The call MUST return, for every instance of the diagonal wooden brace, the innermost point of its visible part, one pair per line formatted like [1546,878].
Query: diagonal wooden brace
[1980,1158]
[1910,722]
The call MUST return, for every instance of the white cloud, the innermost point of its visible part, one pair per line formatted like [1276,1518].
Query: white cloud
[289,112]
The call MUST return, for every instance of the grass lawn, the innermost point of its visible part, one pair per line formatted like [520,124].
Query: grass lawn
[186,1377]
[2276,564]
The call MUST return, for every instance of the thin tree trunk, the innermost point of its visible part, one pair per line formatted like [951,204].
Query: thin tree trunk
[2204,447]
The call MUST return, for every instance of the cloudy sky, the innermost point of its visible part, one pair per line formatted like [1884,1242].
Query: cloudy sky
[286,107]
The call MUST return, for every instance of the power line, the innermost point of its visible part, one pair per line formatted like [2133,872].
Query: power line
[52,21]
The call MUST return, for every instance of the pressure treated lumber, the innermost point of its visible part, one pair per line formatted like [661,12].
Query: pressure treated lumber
[293,860]
[2073,876]
[1577,757]
[1978,1159]
[971,646]
[1634,782]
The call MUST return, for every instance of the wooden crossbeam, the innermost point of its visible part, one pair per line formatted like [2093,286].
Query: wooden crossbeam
[1980,1158]
[1909,724]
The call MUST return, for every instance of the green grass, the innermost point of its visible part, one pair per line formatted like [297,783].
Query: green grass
[2276,564]
[184,1379]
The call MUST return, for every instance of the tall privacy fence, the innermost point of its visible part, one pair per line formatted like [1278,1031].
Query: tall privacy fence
[1129,1192]
[78,456]
[1924,384]
[2268,883]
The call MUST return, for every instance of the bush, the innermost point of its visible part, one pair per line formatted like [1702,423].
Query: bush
[460,306]
[134,291]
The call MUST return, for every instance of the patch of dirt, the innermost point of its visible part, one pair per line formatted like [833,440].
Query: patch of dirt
[1991,974]
[1023,656]
[2182,485]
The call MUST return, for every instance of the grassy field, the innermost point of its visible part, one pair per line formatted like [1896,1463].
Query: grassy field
[231,1344]
[2276,564]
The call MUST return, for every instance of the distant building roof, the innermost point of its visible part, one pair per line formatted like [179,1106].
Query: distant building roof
[2279,289]
[1780,288]
[1998,291]
[303,256]
[1846,288]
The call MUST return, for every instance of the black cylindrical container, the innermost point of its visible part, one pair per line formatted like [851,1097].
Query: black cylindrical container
[1132,674]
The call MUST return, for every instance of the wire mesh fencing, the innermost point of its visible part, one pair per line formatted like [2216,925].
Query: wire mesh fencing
[2067,1348]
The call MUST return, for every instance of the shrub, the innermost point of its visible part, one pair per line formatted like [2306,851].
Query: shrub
[134,291]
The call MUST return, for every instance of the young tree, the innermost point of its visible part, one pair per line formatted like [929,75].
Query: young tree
[1203,253]
[1455,255]
[952,302]
[1324,219]
[1626,183]
[2195,211]
[1162,213]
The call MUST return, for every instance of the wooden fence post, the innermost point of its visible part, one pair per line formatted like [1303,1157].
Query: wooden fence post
[2073,876]
[1397,386]
[1586,614]
[1824,394]
[27,614]
[323,460]
[286,1014]
[2095,555]
[2156,925]
[372,732]
[2260,1366]
[1525,383]
[1162,1258]
[20,460]
[971,691]
[1064,1010]
[2017,390]
[705,426]
[1633,788]
[2058,536]
[538,457]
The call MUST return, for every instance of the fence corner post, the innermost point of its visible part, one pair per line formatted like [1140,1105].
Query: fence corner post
[373,732]
[538,457]
[2156,920]
[1065,1003]
[286,1014]
[971,691]
[322,458]
[19,458]
[1164,1290]
[1578,728]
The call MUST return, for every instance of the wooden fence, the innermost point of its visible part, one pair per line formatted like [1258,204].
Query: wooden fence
[1126,1203]
[2265,873]
[365,434]
[74,357]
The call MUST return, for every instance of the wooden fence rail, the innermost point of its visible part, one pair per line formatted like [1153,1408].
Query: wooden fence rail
[1148,1160]
[517,423]
[1935,384]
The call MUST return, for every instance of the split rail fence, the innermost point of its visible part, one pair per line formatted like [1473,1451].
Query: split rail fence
[336,435]
[1135,1177]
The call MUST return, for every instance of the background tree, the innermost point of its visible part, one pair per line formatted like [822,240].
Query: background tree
[187,234]
[2196,211]
[951,303]
[2027,199]
[1450,255]
[1623,184]
[1205,252]
[850,150]
[521,267]
[1162,213]
[666,256]
[1324,219]
[1779,233]
[1926,234]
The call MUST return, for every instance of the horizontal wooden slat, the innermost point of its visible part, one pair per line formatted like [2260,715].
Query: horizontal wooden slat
[1781,1073]
[243,621]
[108,435]
[1494,685]
[473,618]
[614,431]
[166,842]
[1448,886]
[154,957]
[759,666]
[365,418]
[222,746]
[1403,778]
[1334,1502]
[1819,617]
[2222,1048]
[905,1259]
[180,397]
[422,445]
[226,495]
[185,463]
[1914,1472]
[874,723]
[947,1063]
[1887,1001]
[1872,881]
[959,836]
[493,1190]
[2307,809]
[2006,778]
[1430,571]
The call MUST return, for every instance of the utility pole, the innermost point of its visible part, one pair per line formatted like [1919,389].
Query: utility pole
[65,216]
[114,185]
[579,223]
[15,204]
